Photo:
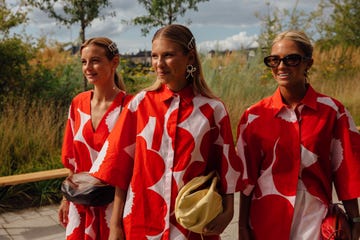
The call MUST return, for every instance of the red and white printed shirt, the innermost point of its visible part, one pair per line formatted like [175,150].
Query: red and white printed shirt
[161,141]
[313,146]
[80,148]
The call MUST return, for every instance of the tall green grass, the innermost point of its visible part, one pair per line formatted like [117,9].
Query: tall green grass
[239,82]
[30,141]
[30,136]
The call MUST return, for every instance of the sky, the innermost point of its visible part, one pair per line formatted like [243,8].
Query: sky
[218,24]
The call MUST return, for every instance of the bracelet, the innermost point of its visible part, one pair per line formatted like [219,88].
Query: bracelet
[356,220]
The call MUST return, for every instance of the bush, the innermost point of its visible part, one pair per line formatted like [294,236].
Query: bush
[14,60]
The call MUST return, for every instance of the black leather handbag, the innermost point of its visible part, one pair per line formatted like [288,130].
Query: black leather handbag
[83,188]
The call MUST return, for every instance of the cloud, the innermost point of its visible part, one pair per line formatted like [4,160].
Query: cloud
[218,24]
[238,41]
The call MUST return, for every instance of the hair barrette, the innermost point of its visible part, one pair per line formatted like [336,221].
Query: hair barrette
[191,43]
[113,49]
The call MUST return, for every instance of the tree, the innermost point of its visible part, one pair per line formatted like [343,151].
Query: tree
[14,54]
[163,12]
[10,19]
[278,20]
[344,24]
[83,11]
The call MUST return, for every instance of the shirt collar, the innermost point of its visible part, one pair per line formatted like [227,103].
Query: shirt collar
[309,100]
[186,94]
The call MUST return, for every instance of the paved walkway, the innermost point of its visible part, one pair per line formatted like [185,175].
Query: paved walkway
[36,223]
[42,224]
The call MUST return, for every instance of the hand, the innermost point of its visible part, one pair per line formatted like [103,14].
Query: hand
[116,233]
[218,224]
[116,226]
[63,212]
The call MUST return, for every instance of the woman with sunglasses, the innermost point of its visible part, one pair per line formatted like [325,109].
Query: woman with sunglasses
[296,145]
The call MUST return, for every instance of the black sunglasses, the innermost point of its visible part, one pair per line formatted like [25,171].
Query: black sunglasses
[291,60]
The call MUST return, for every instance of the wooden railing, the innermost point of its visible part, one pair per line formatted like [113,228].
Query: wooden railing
[33,177]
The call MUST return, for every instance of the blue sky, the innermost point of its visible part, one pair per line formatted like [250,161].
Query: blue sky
[219,24]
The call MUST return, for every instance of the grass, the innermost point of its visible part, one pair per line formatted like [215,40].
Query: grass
[238,82]
[30,140]
[30,136]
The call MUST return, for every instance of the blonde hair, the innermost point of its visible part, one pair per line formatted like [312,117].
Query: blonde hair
[111,51]
[300,38]
[183,37]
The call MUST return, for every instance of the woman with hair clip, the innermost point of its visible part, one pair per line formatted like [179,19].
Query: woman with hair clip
[92,115]
[296,145]
[168,134]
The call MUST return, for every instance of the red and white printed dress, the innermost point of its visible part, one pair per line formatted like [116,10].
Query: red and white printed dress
[81,147]
[161,141]
[292,158]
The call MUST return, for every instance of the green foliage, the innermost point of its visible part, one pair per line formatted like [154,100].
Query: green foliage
[134,75]
[14,60]
[163,12]
[343,26]
[9,19]
[73,11]
[58,84]
[24,73]
[278,20]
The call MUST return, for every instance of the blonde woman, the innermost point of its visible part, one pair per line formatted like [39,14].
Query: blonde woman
[296,144]
[168,134]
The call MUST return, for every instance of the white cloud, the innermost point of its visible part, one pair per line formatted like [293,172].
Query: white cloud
[238,41]
[219,24]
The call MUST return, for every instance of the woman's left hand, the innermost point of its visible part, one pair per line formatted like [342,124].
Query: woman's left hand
[63,212]
[218,224]
[221,221]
